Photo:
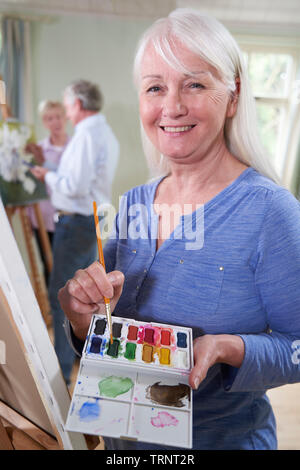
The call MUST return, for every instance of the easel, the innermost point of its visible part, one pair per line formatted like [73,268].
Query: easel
[36,280]
[18,433]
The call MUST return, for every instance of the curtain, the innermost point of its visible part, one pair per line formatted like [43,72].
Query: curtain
[14,66]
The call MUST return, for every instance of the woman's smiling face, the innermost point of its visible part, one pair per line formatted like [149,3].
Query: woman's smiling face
[183,114]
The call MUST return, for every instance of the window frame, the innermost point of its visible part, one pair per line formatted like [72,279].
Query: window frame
[285,160]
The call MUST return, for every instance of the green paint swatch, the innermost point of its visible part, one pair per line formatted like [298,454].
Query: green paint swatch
[130,351]
[113,348]
[113,386]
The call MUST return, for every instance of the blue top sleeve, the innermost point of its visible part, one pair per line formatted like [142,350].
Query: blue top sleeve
[271,358]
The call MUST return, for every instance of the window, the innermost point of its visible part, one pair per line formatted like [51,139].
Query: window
[273,75]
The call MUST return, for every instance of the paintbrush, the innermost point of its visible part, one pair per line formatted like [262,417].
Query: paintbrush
[101,259]
[29,164]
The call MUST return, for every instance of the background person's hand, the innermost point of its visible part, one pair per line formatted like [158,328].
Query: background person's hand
[83,295]
[39,172]
[36,151]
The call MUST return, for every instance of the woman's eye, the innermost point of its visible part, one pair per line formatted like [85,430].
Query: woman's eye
[153,89]
[196,85]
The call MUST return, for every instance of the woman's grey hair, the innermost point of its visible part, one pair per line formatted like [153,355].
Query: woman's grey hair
[212,42]
[88,93]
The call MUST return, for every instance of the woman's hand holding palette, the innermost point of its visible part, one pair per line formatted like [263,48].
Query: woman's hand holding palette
[137,386]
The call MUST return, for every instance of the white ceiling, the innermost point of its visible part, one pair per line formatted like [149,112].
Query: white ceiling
[264,16]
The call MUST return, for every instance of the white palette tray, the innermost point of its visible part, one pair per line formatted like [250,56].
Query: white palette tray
[130,398]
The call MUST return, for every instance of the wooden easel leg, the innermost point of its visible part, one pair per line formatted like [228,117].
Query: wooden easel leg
[24,433]
[41,295]
[43,237]
[5,442]
[10,212]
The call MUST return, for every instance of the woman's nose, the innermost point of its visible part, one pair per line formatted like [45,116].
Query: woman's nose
[174,106]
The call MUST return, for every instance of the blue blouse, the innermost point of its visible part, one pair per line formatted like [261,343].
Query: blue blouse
[231,267]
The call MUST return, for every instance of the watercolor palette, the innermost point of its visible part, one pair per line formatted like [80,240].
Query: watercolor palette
[141,344]
[127,390]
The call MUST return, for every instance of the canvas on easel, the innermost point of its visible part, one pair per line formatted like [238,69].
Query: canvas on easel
[19,189]
[31,383]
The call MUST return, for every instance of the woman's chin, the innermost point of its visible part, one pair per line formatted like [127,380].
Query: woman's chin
[175,158]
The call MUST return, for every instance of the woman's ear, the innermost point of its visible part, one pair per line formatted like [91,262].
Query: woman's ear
[234,98]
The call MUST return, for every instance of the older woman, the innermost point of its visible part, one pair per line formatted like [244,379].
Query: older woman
[237,283]
[48,153]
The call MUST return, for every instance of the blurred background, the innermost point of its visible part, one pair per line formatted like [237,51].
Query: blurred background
[95,39]
[46,44]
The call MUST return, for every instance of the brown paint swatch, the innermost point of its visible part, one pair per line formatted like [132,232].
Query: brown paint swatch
[169,395]
[116,330]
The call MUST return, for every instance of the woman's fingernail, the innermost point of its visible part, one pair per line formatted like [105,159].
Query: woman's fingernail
[196,383]
[111,277]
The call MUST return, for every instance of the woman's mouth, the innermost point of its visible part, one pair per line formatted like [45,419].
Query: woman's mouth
[177,128]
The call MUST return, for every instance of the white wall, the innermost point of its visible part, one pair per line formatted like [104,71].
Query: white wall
[99,49]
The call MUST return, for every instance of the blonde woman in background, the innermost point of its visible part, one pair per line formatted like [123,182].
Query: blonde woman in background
[47,153]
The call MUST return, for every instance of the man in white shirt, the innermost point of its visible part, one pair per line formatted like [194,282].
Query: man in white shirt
[85,174]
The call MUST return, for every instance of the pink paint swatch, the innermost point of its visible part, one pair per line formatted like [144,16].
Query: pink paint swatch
[164,419]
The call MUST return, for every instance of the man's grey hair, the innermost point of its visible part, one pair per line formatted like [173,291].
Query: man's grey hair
[88,93]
